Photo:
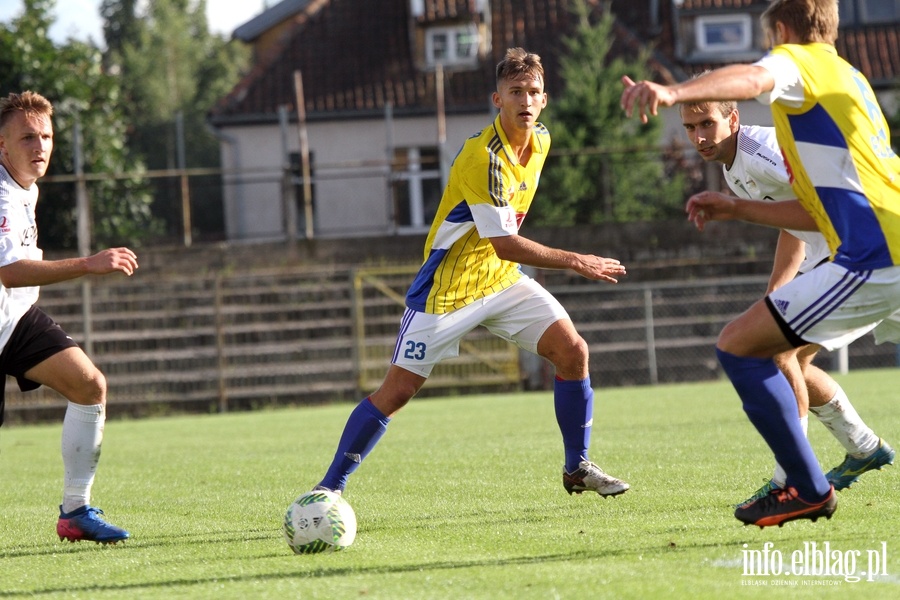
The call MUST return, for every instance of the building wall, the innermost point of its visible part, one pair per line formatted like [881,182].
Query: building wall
[350,169]
[349,162]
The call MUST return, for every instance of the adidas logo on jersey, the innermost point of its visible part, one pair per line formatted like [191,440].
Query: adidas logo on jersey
[781,305]
[523,187]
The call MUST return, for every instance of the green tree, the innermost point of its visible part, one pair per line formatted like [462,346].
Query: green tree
[72,77]
[602,167]
[171,66]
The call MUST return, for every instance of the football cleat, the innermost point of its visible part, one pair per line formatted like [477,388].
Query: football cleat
[846,473]
[783,505]
[322,488]
[760,493]
[85,523]
[588,477]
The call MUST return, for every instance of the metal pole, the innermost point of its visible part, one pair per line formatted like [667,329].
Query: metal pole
[304,154]
[83,227]
[441,123]
[843,360]
[288,195]
[221,359]
[185,188]
[650,336]
[389,167]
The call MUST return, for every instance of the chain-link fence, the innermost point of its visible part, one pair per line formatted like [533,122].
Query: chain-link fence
[223,341]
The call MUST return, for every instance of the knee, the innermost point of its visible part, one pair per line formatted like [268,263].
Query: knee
[728,339]
[390,400]
[570,355]
[91,389]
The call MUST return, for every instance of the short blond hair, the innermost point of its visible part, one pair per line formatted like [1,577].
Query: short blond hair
[810,20]
[518,62]
[30,103]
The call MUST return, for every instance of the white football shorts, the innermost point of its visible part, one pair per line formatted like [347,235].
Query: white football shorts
[520,314]
[833,306]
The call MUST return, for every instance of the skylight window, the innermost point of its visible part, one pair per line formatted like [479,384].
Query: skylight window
[724,33]
[452,46]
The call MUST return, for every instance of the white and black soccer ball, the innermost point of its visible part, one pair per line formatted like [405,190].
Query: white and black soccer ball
[319,521]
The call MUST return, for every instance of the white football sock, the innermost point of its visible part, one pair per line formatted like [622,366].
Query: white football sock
[845,424]
[82,434]
[779,476]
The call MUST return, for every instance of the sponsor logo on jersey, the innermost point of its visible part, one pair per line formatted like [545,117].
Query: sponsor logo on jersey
[767,159]
[510,220]
[519,218]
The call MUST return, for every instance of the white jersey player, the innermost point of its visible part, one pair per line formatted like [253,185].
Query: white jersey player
[754,169]
[757,173]
[33,347]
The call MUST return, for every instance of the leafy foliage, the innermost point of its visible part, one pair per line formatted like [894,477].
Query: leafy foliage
[602,167]
[160,62]
[72,77]
[172,67]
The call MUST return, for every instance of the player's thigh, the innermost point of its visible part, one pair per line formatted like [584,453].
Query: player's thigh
[755,333]
[426,339]
[71,373]
[525,315]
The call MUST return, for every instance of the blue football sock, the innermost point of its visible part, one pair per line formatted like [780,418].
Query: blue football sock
[771,406]
[574,404]
[364,428]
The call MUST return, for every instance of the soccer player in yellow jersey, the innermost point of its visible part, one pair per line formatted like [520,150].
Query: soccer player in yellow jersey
[470,277]
[753,168]
[846,178]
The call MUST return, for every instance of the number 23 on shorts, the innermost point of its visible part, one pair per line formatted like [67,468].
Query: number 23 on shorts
[414,351]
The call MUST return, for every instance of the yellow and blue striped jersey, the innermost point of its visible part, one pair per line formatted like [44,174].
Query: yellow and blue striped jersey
[488,194]
[837,149]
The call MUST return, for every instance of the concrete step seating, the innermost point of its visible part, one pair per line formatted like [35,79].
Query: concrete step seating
[224,341]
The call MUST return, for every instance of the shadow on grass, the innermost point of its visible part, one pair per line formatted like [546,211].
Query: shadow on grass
[83,547]
[317,573]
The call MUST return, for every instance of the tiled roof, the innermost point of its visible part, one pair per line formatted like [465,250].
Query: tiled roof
[269,18]
[708,4]
[434,10]
[874,50]
[357,56]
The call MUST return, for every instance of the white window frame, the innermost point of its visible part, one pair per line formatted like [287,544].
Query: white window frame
[742,20]
[415,177]
[453,57]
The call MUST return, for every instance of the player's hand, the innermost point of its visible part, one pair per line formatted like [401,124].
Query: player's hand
[112,260]
[645,96]
[709,206]
[599,268]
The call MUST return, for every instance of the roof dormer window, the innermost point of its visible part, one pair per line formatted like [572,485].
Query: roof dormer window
[724,33]
[452,45]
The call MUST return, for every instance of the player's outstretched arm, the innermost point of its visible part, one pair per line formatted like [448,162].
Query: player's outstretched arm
[733,82]
[713,206]
[518,249]
[25,273]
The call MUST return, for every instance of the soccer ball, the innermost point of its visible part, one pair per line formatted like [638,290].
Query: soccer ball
[319,521]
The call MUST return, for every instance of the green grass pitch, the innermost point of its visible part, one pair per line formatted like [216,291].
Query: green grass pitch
[461,499]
